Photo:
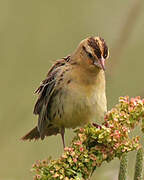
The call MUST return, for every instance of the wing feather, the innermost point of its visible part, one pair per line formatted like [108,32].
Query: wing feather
[45,91]
[46,87]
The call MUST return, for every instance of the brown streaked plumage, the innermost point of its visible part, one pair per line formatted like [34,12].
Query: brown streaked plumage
[73,92]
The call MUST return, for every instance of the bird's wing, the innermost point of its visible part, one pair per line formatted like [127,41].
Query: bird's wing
[47,86]
[45,91]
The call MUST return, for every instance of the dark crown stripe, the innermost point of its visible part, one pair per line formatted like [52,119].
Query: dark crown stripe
[95,45]
[105,48]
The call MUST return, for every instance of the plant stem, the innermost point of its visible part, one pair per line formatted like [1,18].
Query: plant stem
[139,165]
[123,167]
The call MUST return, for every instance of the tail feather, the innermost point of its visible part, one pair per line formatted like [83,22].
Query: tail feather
[33,134]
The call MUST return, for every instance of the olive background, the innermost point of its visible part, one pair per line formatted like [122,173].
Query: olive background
[34,33]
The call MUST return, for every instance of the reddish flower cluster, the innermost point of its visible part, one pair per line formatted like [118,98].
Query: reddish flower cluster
[95,144]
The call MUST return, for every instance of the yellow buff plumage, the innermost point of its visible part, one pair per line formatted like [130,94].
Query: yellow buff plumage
[73,92]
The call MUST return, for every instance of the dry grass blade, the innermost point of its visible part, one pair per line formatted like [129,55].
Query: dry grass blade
[125,33]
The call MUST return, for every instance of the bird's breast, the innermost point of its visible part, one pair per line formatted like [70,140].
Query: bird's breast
[79,105]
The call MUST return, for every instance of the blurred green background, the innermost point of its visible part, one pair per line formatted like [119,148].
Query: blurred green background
[33,33]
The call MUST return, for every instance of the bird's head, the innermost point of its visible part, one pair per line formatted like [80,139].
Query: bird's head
[93,52]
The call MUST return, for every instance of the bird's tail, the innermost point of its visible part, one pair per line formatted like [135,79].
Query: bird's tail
[33,134]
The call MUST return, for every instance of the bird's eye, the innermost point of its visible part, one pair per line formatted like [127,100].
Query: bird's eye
[89,55]
[105,52]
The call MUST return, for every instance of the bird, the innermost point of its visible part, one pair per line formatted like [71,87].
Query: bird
[73,93]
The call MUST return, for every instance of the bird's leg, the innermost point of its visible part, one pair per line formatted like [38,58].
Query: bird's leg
[62,135]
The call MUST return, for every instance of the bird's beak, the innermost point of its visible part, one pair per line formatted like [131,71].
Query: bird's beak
[102,63]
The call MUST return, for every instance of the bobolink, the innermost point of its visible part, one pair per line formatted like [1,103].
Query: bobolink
[73,93]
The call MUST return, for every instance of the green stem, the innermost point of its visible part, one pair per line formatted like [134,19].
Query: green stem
[139,165]
[123,167]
